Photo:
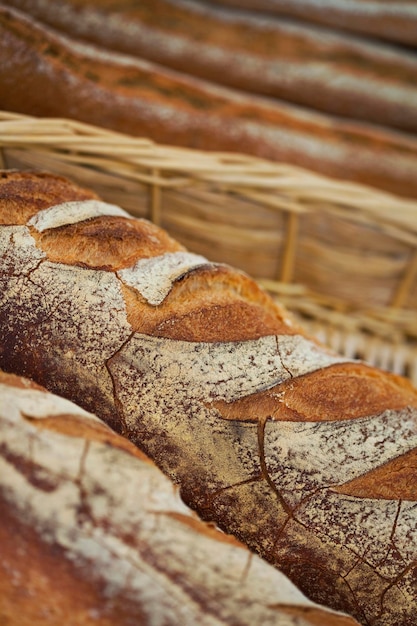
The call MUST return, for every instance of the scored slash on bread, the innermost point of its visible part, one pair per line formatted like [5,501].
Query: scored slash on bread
[93,534]
[305,456]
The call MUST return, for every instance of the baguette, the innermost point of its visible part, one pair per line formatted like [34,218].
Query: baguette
[306,457]
[298,63]
[46,74]
[93,534]
[390,21]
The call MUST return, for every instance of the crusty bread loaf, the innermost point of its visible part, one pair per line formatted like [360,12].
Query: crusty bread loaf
[308,458]
[93,534]
[391,21]
[46,74]
[316,68]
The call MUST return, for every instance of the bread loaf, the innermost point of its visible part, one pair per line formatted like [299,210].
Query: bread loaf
[313,67]
[391,21]
[93,534]
[308,458]
[46,74]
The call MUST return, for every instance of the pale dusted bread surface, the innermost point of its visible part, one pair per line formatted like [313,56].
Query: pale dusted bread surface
[49,74]
[303,455]
[93,534]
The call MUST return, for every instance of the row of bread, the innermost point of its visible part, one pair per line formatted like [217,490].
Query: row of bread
[219,78]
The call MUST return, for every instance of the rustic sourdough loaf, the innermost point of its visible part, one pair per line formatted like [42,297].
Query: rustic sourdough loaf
[308,458]
[48,74]
[93,534]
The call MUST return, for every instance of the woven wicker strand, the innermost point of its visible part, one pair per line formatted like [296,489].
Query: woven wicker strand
[341,256]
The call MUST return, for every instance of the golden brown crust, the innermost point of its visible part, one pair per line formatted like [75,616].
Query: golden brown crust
[92,431]
[342,391]
[70,424]
[239,321]
[17,381]
[22,194]
[105,242]
[210,303]
[394,480]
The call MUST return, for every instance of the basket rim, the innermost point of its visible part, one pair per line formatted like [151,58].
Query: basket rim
[276,185]
[388,332]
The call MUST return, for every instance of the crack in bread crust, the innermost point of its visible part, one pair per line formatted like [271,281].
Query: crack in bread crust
[267,433]
[93,533]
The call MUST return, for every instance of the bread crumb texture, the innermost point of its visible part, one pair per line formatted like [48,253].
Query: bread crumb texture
[305,456]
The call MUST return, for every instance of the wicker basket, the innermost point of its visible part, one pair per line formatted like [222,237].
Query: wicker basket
[341,256]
